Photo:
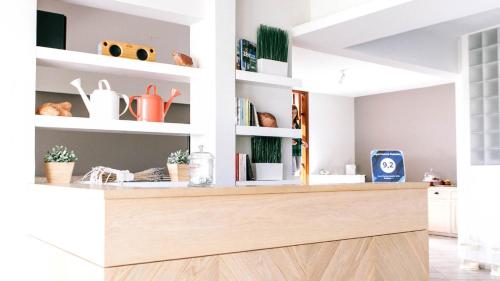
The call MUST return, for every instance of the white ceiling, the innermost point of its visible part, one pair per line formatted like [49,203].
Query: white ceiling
[321,72]
[387,45]
[380,19]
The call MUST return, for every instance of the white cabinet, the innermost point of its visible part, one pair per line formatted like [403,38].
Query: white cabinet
[442,210]
[454,229]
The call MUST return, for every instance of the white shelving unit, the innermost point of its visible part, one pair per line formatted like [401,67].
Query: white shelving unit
[87,62]
[266,79]
[260,183]
[267,132]
[484,103]
[113,126]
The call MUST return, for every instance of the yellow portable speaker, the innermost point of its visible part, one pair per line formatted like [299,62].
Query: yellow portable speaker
[127,50]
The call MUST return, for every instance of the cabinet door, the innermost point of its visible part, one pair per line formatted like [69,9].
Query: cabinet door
[439,216]
[454,229]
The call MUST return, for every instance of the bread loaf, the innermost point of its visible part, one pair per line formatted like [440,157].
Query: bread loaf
[55,109]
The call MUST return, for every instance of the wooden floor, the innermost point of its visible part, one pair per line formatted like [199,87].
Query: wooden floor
[445,264]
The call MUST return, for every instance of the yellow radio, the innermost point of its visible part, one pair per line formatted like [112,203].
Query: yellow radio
[127,50]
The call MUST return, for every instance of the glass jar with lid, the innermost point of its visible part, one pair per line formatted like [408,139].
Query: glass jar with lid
[201,168]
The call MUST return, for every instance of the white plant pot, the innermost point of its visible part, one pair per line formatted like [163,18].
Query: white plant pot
[268,171]
[272,67]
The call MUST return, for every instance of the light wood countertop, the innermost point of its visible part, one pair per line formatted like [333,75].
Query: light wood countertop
[114,192]
[112,226]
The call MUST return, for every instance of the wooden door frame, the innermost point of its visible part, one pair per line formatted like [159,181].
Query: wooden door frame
[302,97]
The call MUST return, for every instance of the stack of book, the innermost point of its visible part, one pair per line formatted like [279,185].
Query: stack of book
[243,169]
[246,56]
[246,114]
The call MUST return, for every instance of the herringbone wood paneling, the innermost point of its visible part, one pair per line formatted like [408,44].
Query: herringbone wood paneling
[391,257]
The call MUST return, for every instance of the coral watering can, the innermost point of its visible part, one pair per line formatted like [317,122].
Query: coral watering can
[103,103]
[150,107]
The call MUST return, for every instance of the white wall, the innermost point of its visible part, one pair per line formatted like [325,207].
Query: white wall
[321,8]
[331,132]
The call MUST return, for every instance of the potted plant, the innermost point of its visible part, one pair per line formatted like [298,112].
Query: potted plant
[59,164]
[272,50]
[178,165]
[266,157]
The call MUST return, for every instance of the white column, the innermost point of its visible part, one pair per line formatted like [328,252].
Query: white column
[213,94]
[17,138]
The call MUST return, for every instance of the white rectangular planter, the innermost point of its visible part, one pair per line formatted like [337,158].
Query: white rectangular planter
[272,67]
[268,171]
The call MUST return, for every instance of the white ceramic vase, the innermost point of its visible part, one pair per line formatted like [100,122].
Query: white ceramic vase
[272,67]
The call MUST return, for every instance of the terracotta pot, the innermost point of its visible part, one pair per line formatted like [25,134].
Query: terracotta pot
[59,172]
[178,172]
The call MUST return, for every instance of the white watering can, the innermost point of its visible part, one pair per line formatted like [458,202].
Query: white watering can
[103,103]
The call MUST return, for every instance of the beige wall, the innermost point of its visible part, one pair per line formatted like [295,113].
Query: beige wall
[331,133]
[419,122]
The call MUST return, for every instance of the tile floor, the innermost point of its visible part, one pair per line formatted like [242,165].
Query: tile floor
[445,264]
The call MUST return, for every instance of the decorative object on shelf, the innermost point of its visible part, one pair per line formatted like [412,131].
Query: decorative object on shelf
[50,30]
[246,114]
[272,50]
[126,50]
[387,166]
[178,165]
[150,107]
[104,103]
[55,109]
[201,168]
[182,59]
[324,172]
[266,156]
[434,180]
[59,164]
[248,57]
[238,58]
[430,176]
[267,120]
[101,174]
[350,169]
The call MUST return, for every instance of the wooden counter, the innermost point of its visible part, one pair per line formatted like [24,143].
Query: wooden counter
[338,232]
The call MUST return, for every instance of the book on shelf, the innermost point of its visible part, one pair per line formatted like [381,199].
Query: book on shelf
[238,58]
[243,171]
[247,55]
[246,113]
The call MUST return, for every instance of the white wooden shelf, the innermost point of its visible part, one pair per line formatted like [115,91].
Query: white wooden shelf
[268,132]
[259,183]
[110,65]
[267,79]
[112,126]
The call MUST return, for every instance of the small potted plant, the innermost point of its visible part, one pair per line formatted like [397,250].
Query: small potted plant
[272,50]
[266,157]
[59,164]
[178,165]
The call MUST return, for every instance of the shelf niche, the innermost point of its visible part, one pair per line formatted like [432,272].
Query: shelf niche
[484,101]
